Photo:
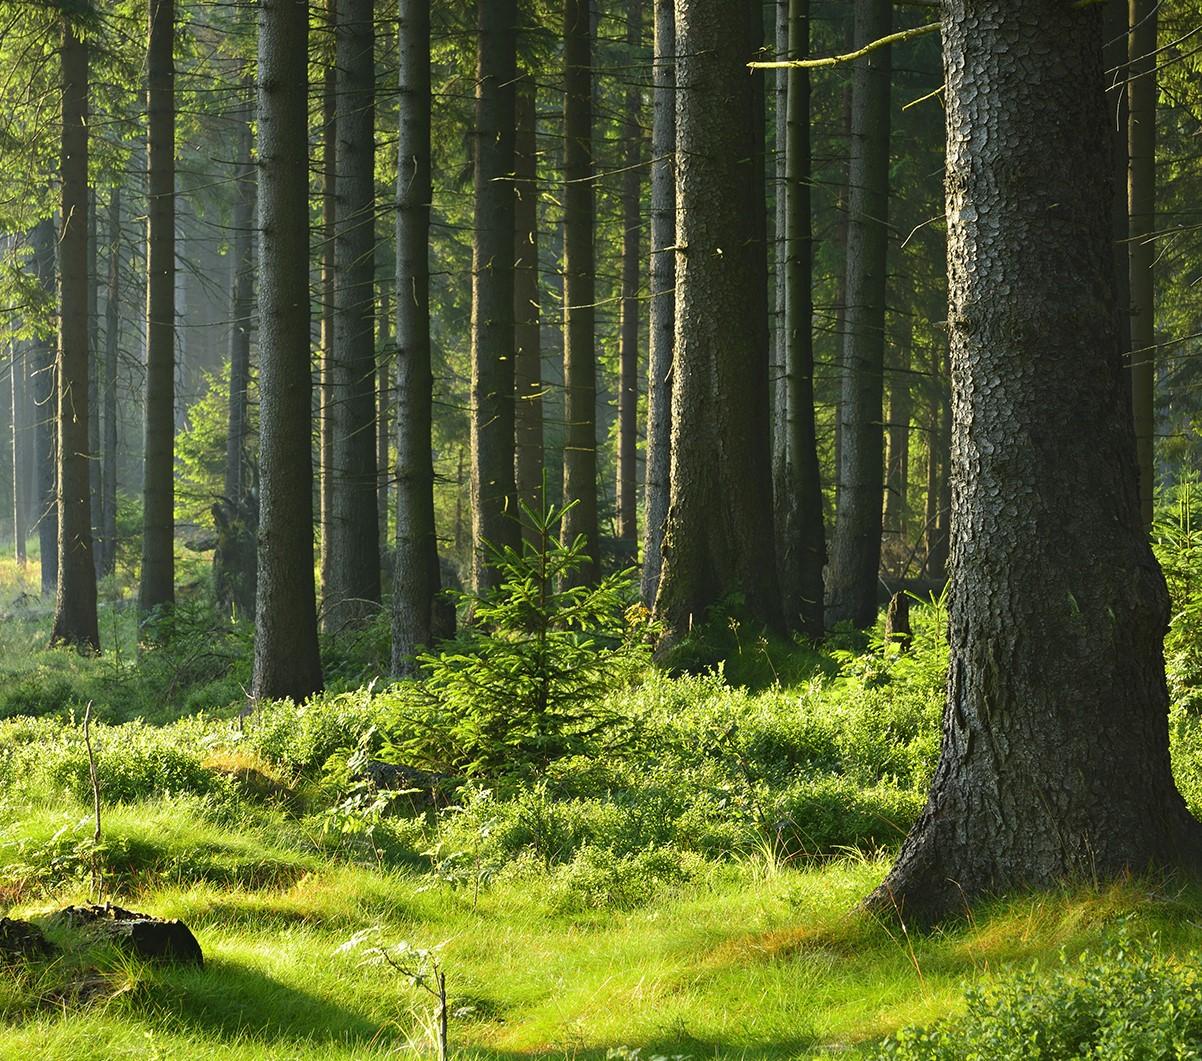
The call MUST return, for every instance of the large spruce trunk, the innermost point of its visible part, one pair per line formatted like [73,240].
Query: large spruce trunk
[662,303]
[856,556]
[1055,758]
[157,586]
[415,571]
[494,506]
[352,593]
[719,541]
[287,662]
[75,621]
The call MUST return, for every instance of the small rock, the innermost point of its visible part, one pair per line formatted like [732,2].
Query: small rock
[151,938]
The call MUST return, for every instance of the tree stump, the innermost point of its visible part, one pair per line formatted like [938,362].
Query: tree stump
[150,938]
[897,622]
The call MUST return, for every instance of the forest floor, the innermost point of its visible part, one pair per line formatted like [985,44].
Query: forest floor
[695,897]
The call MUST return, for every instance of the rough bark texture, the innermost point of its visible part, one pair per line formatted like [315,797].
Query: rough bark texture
[719,537]
[527,313]
[662,304]
[1055,759]
[75,601]
[579,285]
[17,394]
[242,309]
[776,370]
[352,592]
[94,469]
[494,507]
[856,557]
[802,550]
[897,428]
[287,662]
[45,397]
[385,315]
[1142,91]
[158,471]
[415,566]
[112,349]
[325,373]
[628,337]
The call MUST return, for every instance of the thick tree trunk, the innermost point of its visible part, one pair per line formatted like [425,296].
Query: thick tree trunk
[112,348]
[45,399]
[527,300]
[777,386]
[1142,205]
[719,537]
[325,372]
[1055,761]
[75,620]
[287,662]
[628,342]
[415,565]
[662,305]
[494,506]
[803,548]
[158,477]
[856,559]
[579,286]
[352,593]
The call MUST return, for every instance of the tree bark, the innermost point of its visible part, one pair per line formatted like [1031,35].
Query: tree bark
[1055,759]
[777,386]
[856,559]
[579,287]
[1142,89]
[415,565]
[628,342]
[329,223]
[897,431]
[527,299]
[242,307]
[75,621]
[384,394]
[662,305]
[112,347]
[157,586]
[719,538]
[17,394]
[494,506]
[45,399]
[94,468]
[352,594]
[287,662]
[803,551]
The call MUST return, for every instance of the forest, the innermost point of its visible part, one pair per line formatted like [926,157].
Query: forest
[601,529]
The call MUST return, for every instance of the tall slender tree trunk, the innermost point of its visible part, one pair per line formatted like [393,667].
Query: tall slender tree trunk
[287,662]
[662,305]
[856,559]
[777,384]
[527,311]
[353,592]
[1142,89]
[1055,760]
[17,378]
[494,507]
[94,366]
[45,400]
[897,461]
[415,565]
[75,621]
[719,537]
[112,347]
[158,483]
[329,228]
[628,352]
[803,551]
[579,286]
[242,304]
[384,398]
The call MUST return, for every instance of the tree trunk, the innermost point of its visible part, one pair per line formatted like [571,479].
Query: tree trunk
[287,662]
[579,286]
[75,620]
[777,387]
[719,537]
[528,430]
[242,307]
[856,560]
[45,399]
[415,565]
[662,305]
[384,366]
[352,594]
[17,378]
[112,347]
[897,460]
[628,352]
[158,483]
[803,552]
[94,469]
[1142,205]
[494,506]
[329,222]
[1055,760]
